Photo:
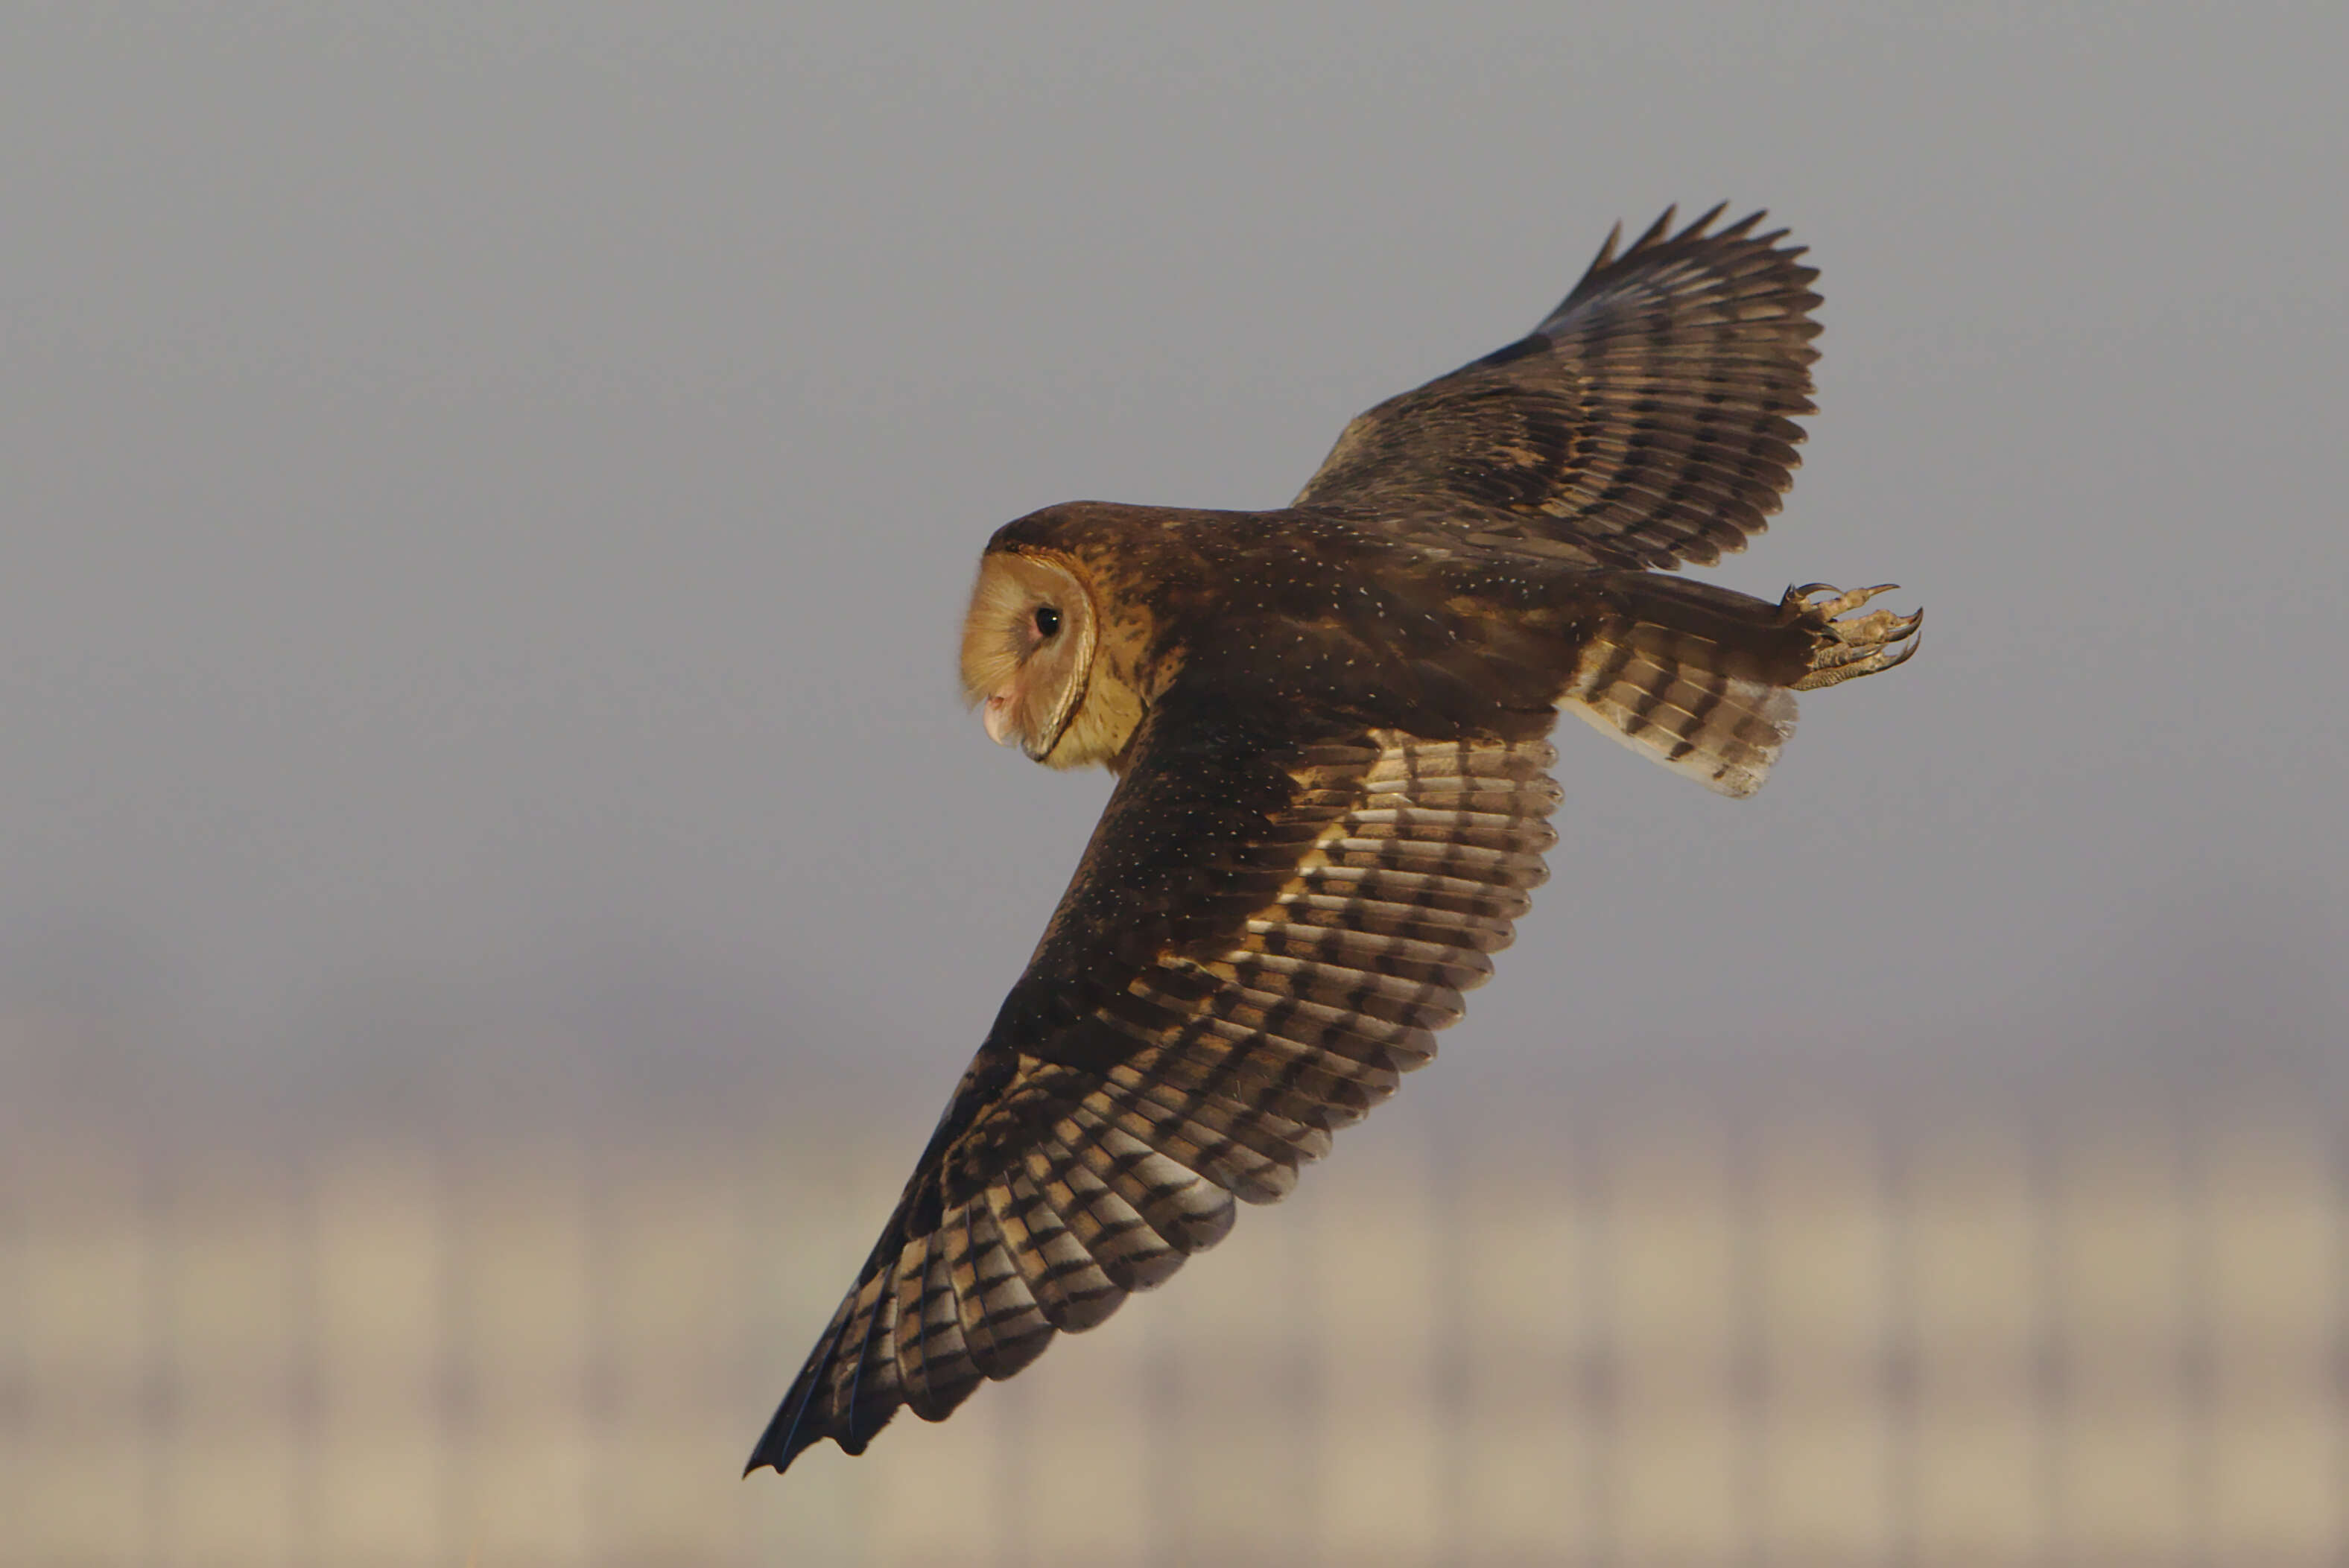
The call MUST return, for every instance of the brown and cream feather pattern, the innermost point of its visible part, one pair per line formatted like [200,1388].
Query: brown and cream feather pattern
[1650,419]
[1330,725]
[1360,906]
[1290,951]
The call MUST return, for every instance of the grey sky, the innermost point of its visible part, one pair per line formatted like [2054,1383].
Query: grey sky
[488,496]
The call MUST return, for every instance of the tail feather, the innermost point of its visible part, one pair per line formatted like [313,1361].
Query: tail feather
[1721,730]
[1698,677]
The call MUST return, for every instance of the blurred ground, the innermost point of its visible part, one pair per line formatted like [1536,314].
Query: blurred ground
[1665,1329]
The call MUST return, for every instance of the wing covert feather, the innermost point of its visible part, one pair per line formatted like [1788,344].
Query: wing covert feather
[1258,943]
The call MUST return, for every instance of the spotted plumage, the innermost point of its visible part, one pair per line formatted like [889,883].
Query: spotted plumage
[1330,725]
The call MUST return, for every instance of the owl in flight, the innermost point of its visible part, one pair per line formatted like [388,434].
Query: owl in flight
[1330,727]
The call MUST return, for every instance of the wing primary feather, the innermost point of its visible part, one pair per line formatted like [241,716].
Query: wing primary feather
[1607,250]
[1743,226]
[1122,1244]
[909,1343]
[1704,222]
[995,1277]
[1119,1156]
[1069,1300]
[883,1299]
[1184,1096]
[811,1376]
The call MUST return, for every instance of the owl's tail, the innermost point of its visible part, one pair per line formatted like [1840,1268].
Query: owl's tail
[1703,679]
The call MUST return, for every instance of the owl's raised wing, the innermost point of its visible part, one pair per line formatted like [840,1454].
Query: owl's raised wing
[1648,420]
[1263,933]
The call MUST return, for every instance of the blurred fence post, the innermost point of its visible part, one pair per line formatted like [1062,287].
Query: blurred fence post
[1825,1442]
[1668,1261]
[92,1418]
[2272,1217]
[234,1344]
[522,1314]
[1378,1272]
[1978,1459]
[382,1457]
[1521,1420]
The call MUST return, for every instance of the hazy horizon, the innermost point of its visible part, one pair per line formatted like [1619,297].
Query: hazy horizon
[494,492]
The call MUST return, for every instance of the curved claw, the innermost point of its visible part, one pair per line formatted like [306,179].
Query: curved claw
[1850,645]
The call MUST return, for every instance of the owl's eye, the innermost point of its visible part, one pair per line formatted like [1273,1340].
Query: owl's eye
[1048,620]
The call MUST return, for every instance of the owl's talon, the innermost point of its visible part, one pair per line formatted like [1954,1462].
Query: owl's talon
[1851,646]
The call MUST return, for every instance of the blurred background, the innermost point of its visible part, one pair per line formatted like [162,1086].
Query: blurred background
[496,882]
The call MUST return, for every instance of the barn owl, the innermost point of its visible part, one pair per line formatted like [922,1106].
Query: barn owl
[1330,725]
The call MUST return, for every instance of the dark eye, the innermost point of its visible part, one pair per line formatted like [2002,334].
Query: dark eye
[1048,620]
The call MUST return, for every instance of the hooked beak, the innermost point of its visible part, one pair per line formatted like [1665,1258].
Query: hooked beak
[996,716]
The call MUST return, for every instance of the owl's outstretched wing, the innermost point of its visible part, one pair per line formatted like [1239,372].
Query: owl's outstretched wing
[1263,933]
[1648,420]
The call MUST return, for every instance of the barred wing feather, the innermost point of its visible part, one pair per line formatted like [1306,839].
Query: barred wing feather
[1650,419]
[1259,941]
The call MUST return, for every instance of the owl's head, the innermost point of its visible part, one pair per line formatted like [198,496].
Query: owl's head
[1028,648]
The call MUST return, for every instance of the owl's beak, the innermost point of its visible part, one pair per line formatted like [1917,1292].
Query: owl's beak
[996,716]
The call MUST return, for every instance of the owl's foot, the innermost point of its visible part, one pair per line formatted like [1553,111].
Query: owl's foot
[1850,645]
